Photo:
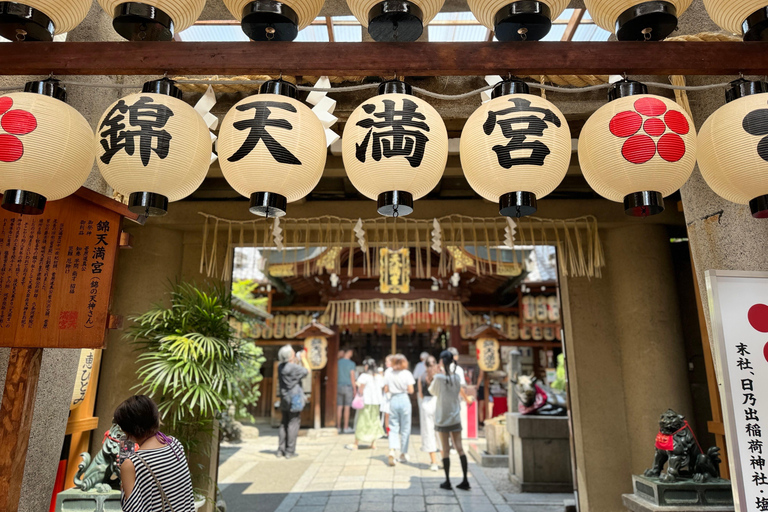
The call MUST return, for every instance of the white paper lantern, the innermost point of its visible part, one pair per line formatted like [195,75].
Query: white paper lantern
[272,148]
[40,20]
[744,17]
[270,20]
[395,147]
[638,20]
[515,149]
[395,20]
[46,147]
[733,147]
[153,147]
[638,148]
[516,20]
[152,20]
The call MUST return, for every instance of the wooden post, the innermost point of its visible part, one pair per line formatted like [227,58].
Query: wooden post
[332,375]
[81,422]
[16,421]
[488,406]
[393,349]
[316,400]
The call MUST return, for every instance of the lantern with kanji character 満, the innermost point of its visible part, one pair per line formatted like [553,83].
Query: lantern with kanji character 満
[273,20]
[733,147]
[272,148]
[518,20]
[748,18]
[40,20]
[395,147]
[152,20]
[638,20]
[515,149]
[46,147]
[153,147]
[638,148]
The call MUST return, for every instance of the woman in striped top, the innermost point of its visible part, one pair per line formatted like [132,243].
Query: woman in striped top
[156,477]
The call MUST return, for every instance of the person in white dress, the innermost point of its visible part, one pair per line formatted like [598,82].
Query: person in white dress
[428,405]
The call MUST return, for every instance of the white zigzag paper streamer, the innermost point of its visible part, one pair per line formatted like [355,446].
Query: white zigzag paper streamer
[277,234]
[360,233]
[509,233]
[490,80]
[323,109]
[203,107]
[437,237]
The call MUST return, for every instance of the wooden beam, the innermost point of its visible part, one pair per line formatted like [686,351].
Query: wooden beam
[384,59]
[573,24]
[329,24]
[16,410]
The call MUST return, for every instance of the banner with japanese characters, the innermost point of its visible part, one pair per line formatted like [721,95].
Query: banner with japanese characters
[738,304]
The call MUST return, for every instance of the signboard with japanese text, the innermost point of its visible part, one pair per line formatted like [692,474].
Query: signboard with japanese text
[738,303]
[56,274]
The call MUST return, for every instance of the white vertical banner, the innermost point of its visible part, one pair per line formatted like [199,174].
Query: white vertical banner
[738,303]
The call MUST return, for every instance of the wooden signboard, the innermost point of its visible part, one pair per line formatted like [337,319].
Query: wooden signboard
[56,274]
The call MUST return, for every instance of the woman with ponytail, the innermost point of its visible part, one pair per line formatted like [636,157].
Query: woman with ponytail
[446,387]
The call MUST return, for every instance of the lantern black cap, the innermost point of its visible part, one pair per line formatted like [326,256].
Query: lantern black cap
[511,86]
[396,203]
[647,21]
[624,88]
[755,27]
[48,87]
[269,20]
[137,21]
[395,87]
[759,207]
[268,204]
[517,204]
[20,22]
[164,86]
[523,20]
[280,87]
[741,88]
[148,204]
[395,21]
[644,204]
[23,202]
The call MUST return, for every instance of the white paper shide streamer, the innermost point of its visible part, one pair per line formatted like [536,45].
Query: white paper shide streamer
[203,107]
[360,234]
[323,109]
[509,233]
[437,237]
[277,234]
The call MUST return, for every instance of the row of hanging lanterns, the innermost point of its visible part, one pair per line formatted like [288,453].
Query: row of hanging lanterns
[515,149]
[385,20]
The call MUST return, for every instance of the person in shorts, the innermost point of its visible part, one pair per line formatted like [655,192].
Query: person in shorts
[346,390]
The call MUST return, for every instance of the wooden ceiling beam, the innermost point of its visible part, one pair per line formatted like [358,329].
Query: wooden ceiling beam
[384,59]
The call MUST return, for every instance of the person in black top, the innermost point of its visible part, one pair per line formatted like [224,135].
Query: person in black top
[289,375]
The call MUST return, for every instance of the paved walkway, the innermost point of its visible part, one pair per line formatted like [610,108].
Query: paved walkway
[328,478]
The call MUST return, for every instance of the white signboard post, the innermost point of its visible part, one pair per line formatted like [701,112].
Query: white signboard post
[738,303]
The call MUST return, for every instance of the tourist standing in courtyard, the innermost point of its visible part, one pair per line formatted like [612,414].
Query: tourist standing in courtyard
[386,395]
[428,404]
[446,387]
[156,476]
[346,390]
[367,422]
[399,383]
[292,399]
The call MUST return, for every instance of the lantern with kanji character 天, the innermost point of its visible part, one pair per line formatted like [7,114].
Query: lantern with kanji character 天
[638,148]
[152,20]
[395,147]
[153,147]
[638,20]
[272,148]
[518,20]
[395,20]
[272,20]
[40,20]
[733,147]
[46,147]
[748,18]
[515,149]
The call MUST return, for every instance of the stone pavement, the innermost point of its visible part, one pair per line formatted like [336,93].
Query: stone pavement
[328,478]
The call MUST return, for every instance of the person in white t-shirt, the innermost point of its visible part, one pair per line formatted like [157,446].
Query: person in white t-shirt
[399,383]
[367,423]
[419,372]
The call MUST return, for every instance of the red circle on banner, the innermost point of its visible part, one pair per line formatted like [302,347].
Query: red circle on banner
[758,317]
[625,123]
[638,149]
[11,148]
[677,122]
[654,127]
[765,351]
[18,122]
[650,107]
[671,147]
[5,104]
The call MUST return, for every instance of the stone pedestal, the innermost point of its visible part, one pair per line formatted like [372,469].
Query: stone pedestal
[685,492]
[540,453]
[75,500]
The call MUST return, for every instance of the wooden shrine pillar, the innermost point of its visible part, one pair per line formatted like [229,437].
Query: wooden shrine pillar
[331,379]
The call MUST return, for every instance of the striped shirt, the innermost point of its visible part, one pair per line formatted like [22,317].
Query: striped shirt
[174,477]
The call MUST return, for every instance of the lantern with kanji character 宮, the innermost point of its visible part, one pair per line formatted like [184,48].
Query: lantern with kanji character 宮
[638,20]
[515,149]
[152,20]
[733,147]
[40,20]
[272,20]
[744,17]
[395,20]
[638,148]
[153,147]
[395,147]
[518,20]
[46,147]
[272,148]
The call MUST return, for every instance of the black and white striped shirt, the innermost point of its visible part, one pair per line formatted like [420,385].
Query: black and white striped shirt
[170,467]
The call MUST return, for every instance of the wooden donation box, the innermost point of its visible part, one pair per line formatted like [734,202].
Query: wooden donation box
[56,273]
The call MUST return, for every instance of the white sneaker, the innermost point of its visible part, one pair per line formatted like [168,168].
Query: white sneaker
[349,431]
[404,457]
[433,467]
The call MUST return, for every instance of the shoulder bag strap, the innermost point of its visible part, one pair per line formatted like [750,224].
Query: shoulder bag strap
[163,498]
